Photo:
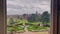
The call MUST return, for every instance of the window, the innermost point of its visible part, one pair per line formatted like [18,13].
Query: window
[3,20]
[28,16]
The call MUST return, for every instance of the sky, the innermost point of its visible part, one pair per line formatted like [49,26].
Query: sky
[27,6]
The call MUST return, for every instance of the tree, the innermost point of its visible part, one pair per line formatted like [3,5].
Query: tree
[45,17]
[31,18]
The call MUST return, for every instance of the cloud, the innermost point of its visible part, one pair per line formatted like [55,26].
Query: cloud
[26,6]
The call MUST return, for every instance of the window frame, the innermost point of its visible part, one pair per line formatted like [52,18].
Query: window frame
[54,17]
[3,17]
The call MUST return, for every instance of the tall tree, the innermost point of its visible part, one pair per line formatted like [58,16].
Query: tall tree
[45,17]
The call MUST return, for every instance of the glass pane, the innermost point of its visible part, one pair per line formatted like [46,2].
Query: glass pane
[28,16]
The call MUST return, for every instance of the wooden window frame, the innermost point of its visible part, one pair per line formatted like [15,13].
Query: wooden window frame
[3,17]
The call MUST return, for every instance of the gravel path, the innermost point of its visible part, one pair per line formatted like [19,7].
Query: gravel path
[34,33]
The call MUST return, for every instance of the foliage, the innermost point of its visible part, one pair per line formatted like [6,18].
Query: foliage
[20,29]
[16,28]
[41,28]
[45,17]
[36,28]
[11,21]
[31,28]
[35,23]
[23,21]
[16,24]
[31,18]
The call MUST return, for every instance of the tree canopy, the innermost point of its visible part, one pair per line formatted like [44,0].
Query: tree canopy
[45,17]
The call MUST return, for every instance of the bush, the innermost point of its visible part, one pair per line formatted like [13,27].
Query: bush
[17,29]
[20,29]
[41,28]
[36,28]
[31,28]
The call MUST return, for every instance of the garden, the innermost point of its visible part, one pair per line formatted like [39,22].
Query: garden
[31,24]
